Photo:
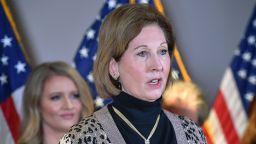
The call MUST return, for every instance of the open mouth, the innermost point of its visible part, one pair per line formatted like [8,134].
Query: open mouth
[155,81]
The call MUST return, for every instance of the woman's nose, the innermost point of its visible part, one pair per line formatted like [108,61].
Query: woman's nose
[68,104]
[156,63]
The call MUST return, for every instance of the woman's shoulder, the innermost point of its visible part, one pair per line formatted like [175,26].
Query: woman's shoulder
[89,129]
[193,132]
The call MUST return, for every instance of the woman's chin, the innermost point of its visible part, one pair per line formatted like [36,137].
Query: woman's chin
[153,96]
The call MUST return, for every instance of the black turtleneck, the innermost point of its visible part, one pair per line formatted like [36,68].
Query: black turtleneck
[142,115]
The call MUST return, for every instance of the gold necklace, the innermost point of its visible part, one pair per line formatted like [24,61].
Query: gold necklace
[147,140]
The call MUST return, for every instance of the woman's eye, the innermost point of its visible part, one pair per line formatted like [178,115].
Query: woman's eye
[76,96]
[56,97]
[142,54]
[163,52]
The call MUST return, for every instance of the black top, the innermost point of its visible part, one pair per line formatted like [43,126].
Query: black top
[143,116]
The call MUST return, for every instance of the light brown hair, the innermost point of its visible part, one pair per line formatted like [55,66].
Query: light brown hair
[120,27]
[31,125]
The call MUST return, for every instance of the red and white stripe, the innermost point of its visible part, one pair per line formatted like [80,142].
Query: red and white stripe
[10,115]
[227,119]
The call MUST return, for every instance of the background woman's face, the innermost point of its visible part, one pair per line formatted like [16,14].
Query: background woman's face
[60,105]
[145,65]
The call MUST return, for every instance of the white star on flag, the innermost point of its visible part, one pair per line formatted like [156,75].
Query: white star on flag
[90,77]
[144,1]
[4,60]
[6,41]
[99,102]
[111,4]
[84,52]
[251,39]
[20,67]
[254,23]
[242,73]
[247,56]
[249,96]
[3,79]
[94,57]
[254,62]
[252,80]
[90,34]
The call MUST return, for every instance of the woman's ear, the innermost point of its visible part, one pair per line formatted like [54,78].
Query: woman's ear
[113,69]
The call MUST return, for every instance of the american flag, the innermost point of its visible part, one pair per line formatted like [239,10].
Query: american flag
[86,53]
[228,117]
[14,71]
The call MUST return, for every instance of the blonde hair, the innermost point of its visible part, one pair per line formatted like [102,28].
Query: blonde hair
[118,29]
[185,95]
[31,125]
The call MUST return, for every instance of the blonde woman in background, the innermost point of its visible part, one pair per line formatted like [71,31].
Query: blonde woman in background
[55,98]
[186,98]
